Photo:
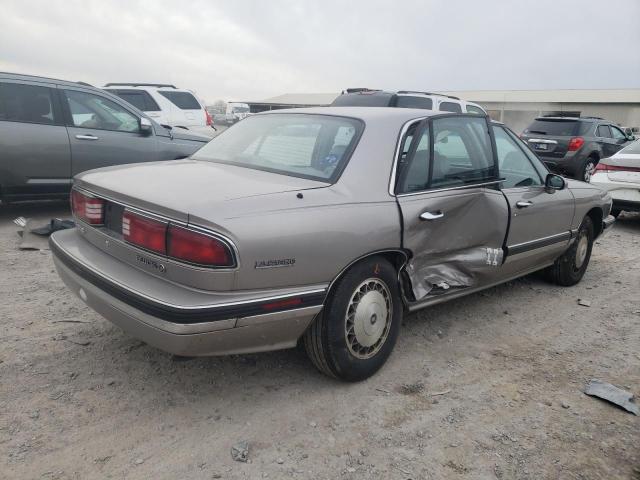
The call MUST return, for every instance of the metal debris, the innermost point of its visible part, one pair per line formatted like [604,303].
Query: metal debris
[584,303]
[240,451]
[612,394]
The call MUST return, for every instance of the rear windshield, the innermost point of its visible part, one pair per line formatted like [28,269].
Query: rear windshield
[138,98]
[378,99]
[182,100]
[633,148]
[561,128]
[307,146]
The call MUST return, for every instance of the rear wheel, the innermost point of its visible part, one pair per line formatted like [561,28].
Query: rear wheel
[356,331]
[570,267]
[587,170]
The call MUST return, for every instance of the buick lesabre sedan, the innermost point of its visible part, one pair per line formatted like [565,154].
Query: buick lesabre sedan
[324,226]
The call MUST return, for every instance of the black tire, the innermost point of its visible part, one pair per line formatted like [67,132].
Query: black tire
[331,342]
[566,271]
[616,212]
[587,169]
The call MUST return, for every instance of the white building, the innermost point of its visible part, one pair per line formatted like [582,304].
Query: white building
[516,108]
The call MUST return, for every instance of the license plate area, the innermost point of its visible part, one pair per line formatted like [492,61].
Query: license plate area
[113,217]
[541,146]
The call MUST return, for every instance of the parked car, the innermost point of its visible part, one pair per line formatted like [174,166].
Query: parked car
[620,175]
[166,104]
[227,119]
[51,130]
[365,97]
[574,145]
[238,111]
[318,224]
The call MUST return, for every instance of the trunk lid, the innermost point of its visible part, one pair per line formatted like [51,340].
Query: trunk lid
[182,188]
[629,165]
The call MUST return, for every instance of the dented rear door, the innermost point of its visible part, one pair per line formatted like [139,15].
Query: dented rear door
[455,218]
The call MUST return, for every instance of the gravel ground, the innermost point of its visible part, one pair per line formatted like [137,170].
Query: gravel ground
[486,387]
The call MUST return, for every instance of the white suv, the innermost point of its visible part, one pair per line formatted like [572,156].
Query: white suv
[166,104]
[365,97]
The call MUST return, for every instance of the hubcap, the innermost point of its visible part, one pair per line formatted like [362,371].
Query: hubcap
[589,168]
[368,318]
[581,251]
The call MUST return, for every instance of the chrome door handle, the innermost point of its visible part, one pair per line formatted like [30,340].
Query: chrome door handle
[431,216]
[523,204]
[86,137]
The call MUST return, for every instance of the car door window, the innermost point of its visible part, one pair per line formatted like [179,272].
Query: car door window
[414,102]
[476,110]
[617,133]
[515,167]
[96,112]
[603,131]
[26,103]
[413,173]
[461,152]
[450,107]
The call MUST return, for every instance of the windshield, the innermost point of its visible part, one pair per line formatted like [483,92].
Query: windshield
[308,146]
[237,109]
[632,148]
[562,128]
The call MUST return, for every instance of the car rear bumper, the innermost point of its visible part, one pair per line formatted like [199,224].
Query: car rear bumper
[625,195]
[198,329]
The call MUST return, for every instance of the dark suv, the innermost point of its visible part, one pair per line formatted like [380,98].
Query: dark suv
[574,145]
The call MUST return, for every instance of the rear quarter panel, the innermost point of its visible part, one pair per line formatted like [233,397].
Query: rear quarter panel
[587,197]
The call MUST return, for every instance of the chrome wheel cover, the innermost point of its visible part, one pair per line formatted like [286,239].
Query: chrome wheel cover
[581,250]
[368,318]
[589,168]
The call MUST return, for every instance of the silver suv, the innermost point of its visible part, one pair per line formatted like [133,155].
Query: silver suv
[51,130]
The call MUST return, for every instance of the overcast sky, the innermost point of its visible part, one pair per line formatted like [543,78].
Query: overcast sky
[249,50]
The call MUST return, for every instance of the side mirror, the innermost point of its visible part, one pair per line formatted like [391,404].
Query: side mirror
[554,182]
[145,126]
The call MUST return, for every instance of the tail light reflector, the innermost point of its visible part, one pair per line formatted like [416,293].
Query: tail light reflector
[289,303]
[603,167]
[87,208]
[575,143]
[209,119]
[195,247]
[144,232]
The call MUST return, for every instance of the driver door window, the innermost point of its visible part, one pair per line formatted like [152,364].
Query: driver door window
[515,167]
[93,111]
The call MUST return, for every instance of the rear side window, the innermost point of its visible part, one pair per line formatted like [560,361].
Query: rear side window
[414,102]
[26,103]
[138,98]
[182,100]
[363,100]
[476,110]
[560,128]
[450,107]
[603,131]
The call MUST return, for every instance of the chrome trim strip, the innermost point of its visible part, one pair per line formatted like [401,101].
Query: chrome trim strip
[460,187]
[542,140]
[186,307]
[541,239]
[276,316]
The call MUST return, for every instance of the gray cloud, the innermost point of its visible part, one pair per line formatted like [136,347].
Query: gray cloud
[254,49]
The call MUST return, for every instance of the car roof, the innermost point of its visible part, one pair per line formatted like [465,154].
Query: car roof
[363,113]
[36,78]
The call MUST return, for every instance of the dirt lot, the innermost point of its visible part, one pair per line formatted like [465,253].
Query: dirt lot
[482,388]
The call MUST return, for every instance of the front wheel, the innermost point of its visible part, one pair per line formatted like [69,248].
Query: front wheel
[570,267]
[356,331]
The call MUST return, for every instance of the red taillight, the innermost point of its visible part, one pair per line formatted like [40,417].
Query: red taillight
[575,143]
[209,119]
[291,302]
[603,167]
[144,232]
[87,208]
[195,247]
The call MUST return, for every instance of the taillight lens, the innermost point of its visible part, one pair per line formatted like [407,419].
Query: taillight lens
[209,119]
[603,167]
[195,247]
[145,232]
[575,143]
[87,208]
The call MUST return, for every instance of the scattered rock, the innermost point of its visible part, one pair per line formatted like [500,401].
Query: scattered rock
[612,394]
[565,405]
[139,461]
[279,460]
[313,424]
[240,451]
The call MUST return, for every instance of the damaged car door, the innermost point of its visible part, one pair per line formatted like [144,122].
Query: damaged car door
[540,222]
[455,218]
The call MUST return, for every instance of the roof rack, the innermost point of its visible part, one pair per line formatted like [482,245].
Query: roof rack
[85,84]
[594,118]
[562,114]
[428,93]
[360,90]
[159,85]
